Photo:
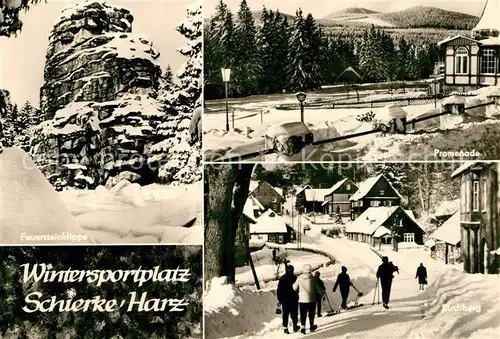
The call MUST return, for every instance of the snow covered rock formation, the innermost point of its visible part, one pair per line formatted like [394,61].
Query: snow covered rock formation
[100,108]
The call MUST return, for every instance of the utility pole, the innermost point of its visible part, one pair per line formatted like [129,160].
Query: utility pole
[299,232]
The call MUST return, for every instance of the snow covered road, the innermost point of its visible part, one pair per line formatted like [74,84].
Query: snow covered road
[413,314]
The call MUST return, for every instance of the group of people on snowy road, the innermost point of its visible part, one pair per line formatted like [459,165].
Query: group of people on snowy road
[303,294]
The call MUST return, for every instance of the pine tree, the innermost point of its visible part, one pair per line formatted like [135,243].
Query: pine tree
[187,94]
[246,61]
[167,79]
[282,39]
[316,53]
[218,47]
[298,55]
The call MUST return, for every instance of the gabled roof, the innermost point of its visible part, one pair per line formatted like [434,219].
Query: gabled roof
[350,69]
[248,210]
[366,186]
[447,207]
[372,219]
[269,222]
[457,37]
[256,203]
[465,167]
[450,231]
[316,194]
[302,189]
[255,184]
[338,185]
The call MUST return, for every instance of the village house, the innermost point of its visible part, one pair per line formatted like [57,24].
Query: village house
[446,240]
[379,225]
[445,210]
[374,192]
[268,196]
[475,60]
[479,216]
[337,198]
[311,199]
[271,227]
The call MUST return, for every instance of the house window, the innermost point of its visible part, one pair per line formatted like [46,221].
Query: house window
[281,239]
[401,223]
[485,195]
[461,61]
[382,192]
[488,61]
[348,187]
[374,203]
[408,237]
[475,196]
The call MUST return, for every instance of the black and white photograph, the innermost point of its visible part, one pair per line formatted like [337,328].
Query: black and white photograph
[118,292]
[351,80]
[352,250]
[100,122]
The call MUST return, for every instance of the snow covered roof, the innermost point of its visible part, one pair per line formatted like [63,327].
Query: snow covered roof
[490,17]
[256,203]
[316,194]
[269,222]
[255,184]
[350,69]
[372,219]
[450,231]
[367,185]
[337,186]
[248,210]
[381,231]
[448,207]
[301,189]
[467,166]
[453,100]
[490,42]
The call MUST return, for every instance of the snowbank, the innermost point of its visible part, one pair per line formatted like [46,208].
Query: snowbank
[464,305]
[29,205]
[138,214]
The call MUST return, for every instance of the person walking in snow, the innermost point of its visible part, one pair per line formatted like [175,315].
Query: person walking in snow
[289,299]
[308,288]
[385,274]
[321,291]
[344,283]
[421,275]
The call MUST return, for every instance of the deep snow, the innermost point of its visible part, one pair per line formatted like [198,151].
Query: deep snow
[128,213]
[454,305]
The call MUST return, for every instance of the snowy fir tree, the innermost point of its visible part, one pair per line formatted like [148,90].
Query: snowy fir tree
[10,24]
[167,80]
[218,47]
[298,55]
[187,93]
[246,64]
[180,103]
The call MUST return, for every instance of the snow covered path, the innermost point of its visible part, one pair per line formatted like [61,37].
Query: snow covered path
[406,317]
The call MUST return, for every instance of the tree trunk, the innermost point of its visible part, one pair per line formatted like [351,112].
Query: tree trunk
[226,191]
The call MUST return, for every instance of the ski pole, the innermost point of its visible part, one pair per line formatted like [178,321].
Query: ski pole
[375,292]
[378,295]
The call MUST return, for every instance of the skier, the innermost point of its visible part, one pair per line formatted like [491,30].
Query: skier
[421,275]
[344,282]
[385,273]
[289,299]
[322,289]
[308,288]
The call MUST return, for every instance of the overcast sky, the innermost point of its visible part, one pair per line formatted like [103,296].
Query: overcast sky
[22,58]
[321,8]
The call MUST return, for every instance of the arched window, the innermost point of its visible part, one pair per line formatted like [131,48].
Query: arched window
[462,61]
[488,61]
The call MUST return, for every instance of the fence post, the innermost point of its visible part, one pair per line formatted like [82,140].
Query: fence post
[261,117]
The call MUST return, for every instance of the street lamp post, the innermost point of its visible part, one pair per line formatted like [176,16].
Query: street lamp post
[301,97]
[226,76]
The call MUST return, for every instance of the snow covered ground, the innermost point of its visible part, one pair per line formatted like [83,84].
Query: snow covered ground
[252,120]
[266,269]
[454,305]
[31,211]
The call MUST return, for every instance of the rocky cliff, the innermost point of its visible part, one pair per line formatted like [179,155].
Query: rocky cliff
[99,102]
